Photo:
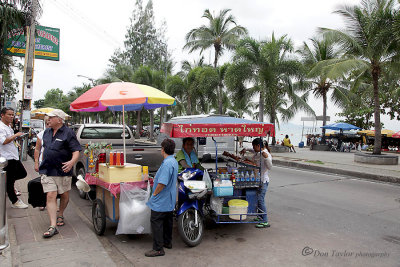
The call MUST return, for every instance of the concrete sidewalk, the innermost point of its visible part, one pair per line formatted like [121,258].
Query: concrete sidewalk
[337,163]
[75,245]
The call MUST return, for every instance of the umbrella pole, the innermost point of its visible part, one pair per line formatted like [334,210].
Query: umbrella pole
[123,134]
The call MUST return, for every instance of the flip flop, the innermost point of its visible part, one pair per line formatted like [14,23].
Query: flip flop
[51,232]
[60,221]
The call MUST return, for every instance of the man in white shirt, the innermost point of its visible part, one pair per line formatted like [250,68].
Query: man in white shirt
[8,149]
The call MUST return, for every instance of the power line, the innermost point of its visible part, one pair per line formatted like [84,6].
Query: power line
[85,22]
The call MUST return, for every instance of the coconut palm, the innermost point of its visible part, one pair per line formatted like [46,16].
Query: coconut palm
[267,67]
[369,46]
[194,89]
[221,33]
[320,84]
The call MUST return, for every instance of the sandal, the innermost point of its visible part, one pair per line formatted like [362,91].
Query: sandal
[60,221]
[50,232]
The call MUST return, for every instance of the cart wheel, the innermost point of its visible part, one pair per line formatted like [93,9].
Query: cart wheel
[99,217]
[189,232]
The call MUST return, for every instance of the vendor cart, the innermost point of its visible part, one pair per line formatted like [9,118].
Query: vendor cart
[220,196]
[106,205]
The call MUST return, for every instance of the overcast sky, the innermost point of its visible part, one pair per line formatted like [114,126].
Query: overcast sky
[91,30]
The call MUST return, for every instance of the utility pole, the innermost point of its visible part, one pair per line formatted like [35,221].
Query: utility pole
[27,84]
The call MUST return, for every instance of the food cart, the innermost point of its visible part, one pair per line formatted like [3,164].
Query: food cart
[108,188]
[226,188]
[117,96]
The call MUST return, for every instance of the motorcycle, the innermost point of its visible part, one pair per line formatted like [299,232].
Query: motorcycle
[189,212]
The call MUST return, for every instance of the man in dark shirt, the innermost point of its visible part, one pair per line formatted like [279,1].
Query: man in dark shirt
[61,151]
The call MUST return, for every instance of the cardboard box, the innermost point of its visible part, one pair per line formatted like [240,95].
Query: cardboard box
[110,202]
[129,173]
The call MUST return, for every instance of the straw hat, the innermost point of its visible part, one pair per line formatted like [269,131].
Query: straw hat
[82,185]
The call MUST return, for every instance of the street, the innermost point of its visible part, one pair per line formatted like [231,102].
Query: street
[316,220]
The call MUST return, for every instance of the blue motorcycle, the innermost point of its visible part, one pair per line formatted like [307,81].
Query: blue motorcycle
[189,212]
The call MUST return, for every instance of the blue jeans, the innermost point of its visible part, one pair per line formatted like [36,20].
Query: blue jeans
[261,201]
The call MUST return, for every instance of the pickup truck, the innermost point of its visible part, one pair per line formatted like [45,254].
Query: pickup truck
[137,152]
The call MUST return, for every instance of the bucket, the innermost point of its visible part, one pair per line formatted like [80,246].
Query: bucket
[237,206]
[301,144]
[225,210]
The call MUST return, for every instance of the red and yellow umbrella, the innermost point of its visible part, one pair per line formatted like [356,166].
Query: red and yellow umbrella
[121,95]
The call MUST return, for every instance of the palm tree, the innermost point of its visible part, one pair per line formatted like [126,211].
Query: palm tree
[369,45]
[320,84]
[221,33]
[193,88]
[268,69]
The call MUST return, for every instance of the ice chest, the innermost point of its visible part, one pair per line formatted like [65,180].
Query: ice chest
[223,191]
[111,203]
[129,173]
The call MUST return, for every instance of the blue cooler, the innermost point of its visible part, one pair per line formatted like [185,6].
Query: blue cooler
[223,191]
[301,144]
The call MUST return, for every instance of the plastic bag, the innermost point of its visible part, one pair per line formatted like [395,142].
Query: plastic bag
[216,204]
[134,214]
[207,179]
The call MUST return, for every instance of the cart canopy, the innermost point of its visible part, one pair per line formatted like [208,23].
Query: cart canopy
[216,126]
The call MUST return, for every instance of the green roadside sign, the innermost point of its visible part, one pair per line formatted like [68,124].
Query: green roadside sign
[47,43]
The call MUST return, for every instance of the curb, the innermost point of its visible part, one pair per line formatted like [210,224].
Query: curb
[361,175]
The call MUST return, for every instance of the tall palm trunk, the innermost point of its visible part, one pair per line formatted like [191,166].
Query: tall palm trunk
[377,113]
[138,125]
[324,100]
[261,107]
[189,105]
[219,88]
[273,119]
[152,125]
[1,69]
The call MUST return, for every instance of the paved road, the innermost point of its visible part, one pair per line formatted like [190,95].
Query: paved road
[333,220]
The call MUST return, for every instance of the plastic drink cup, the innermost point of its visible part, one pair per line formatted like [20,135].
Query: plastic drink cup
[122,159]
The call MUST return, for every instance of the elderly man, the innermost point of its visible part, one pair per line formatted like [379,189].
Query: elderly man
[61,151]
[8,149]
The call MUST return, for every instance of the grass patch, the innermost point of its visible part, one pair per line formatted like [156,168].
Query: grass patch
[315,161]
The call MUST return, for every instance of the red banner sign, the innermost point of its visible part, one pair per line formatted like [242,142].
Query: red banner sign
[217,130]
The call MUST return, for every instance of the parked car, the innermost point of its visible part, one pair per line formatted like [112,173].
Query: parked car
[136,152]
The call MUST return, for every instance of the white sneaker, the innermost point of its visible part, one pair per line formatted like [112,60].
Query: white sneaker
[19,205]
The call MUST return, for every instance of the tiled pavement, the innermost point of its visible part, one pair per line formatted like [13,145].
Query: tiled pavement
[75,245]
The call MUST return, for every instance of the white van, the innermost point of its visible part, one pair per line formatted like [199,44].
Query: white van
[205,146]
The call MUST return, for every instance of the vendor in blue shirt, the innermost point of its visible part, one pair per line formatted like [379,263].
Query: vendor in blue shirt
[162,201]
[187,157]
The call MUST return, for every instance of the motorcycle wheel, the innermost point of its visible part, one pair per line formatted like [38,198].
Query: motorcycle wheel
[189,232]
